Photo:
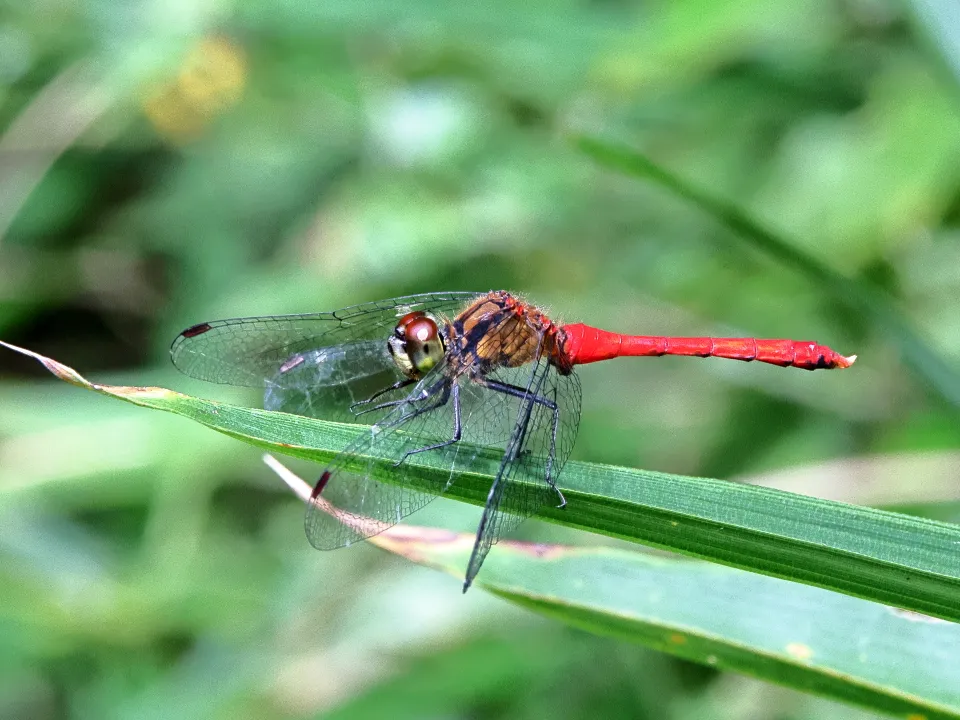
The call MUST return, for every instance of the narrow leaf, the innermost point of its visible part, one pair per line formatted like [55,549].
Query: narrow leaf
[895,559]
[806,638]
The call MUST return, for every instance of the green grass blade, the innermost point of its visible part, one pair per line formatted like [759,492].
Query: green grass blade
[806,638]
[898,560]
[856,296]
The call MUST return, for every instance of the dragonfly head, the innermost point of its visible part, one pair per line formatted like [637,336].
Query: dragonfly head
[417,344]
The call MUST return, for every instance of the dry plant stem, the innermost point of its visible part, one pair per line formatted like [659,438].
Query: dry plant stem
[293,481]
[303,491]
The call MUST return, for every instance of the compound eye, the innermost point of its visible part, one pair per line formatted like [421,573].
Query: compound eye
[421,330]
[409,318]
[423,343]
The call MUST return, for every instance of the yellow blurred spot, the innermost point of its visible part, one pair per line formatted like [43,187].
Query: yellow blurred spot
[210,80]
[916,716]
[677,639]
[799,651]
[213,75]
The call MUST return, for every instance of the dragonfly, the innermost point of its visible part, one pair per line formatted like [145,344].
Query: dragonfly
[454,382]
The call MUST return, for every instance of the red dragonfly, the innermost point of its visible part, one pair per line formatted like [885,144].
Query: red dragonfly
[440,377]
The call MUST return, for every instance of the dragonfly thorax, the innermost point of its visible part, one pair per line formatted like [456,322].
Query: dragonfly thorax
[417,345]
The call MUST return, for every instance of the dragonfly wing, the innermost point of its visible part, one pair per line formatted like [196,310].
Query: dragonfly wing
[316,365]
[248,351]
[536,452]
[328,383]
[375,482]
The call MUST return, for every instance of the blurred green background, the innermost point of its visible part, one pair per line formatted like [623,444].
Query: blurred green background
[163,164]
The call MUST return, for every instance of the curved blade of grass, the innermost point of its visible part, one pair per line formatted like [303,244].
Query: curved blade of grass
[882,658]
[855,295]
[898,560]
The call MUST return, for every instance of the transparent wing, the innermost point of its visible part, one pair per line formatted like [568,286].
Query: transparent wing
[353,502]
[519,423]
[316,365]
[546,420]
[251,351]
[355,499]
[329,382]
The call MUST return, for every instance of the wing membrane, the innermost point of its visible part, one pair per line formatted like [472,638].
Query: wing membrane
[317,365]
[326,383]
[251,351]
[356,503]
[536,452]
[353,502]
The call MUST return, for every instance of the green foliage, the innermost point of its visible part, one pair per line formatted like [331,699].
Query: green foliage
[161,166]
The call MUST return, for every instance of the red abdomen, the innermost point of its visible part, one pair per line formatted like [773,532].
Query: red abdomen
[584,344]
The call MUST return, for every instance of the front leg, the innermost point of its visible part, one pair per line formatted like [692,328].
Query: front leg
[449,391]
[424,395]
[396,386]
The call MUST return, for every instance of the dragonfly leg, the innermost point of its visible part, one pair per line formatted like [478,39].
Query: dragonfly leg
[522,394]
[425,394]
[396,386]
[448,391]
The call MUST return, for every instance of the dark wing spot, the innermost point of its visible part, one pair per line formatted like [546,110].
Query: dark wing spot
[196,330]
[321,484]
[823,363]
